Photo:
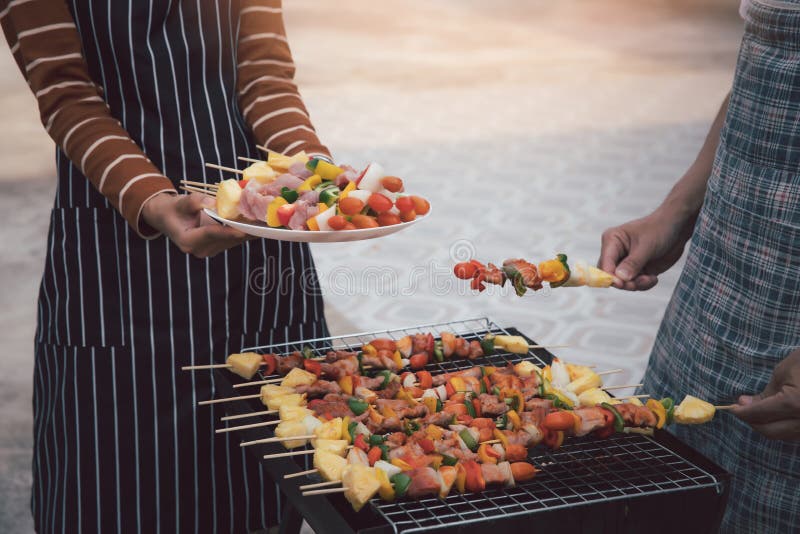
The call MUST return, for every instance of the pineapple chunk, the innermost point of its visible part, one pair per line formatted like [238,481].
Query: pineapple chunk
[513,344]
[281,163]
[330,429]
[583,274]
[329,465]
[588,381]
[593,397]
[360,484]
[292,399]
[334,446]
[634,401]
[577,371]
[271,391]
[260,172]
[525,369]
[245,365]
[289,429]
[694,411]
[293,413]
[298,377]
[228,195]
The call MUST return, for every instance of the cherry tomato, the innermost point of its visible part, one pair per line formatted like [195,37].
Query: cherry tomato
[364,221]
[270,364]
[418,361]
[388,219]
[379,203]
[559,421]
[522,471]
[374,455]
[408,216]
[350,205]
[392,183]
[384,344]
[465,270]
[337,222]
[350,226]
[426,444]
[425,379]
[404,204]
[421,206]
[285,213]
[243,183]
[313,366]
[553,438]
[516,453]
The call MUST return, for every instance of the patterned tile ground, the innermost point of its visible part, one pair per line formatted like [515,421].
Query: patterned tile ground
[531,127]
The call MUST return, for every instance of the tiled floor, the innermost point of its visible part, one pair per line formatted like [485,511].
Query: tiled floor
[531,127]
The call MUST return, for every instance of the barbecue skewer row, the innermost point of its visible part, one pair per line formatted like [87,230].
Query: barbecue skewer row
[523,275]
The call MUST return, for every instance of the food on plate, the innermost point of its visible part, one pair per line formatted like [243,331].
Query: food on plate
[522,275]
[302,193]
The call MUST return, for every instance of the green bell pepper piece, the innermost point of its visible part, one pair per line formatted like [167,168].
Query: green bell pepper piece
[329,195]
[376,439]
[289,194]
[357,406]
[470,407]
[438,351]
[487,344]
[401,482]
[669,406]
[468,440]
[387,377]
[307,352]
[619,422]
[449,460]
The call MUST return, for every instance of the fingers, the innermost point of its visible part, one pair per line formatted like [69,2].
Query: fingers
[208,241]
[194,202]
[760,411]
[787,429]
[611,250]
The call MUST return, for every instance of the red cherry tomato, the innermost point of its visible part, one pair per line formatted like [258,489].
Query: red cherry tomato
[243,183]
[374,455]
[418,361]
[516,453]
[351,205]
[465,270]
[388,219]
[364,221]
[425,379]
[421,206]
[379,203]
[392,183]
[337,222]
[313,366]
[404,204]
[408,216]
[426,444]
[350,226]
[285,213]
[270,364]
[560,420]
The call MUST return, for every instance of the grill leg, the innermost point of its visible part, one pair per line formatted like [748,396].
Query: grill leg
[291,521]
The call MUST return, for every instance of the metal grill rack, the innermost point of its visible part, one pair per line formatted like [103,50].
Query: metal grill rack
[584,471]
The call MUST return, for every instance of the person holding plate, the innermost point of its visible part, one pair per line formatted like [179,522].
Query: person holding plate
[137,280]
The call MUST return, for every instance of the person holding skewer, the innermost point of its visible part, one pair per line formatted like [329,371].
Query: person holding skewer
[138,281]
[732,329]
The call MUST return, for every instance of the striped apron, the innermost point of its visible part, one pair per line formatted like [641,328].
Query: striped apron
[736,310]
[119,442]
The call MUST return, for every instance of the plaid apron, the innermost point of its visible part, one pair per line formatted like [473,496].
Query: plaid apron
[736,310]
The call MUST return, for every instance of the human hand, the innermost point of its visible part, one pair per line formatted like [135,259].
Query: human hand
[181,218]
[775,412]
[638,251]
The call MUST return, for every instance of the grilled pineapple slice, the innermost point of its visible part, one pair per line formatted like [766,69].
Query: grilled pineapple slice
[298,377]
[330,429]
[360,484]
[289,429]
[587,381]
[293,413]
[583,274]
[577,371]
[260,172]
[334,446]
[246,364]
[694,411]
[292,399]
[525,369]
[228,195]
[513,344]
[593,397]
[271,391]
[329,465]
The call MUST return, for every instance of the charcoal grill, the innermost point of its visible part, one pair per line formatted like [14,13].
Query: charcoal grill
[626,483]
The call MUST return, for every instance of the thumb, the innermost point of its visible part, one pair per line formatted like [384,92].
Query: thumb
[633,264]
[194,202]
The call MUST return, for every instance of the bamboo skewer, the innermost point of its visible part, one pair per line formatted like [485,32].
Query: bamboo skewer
[223,168]
[320,485]
[548,346]
[287,454]
[191,189]
[198,367]
[252,425]
[323,491]
[200,184]
[726,407]
[275,440]
[229,399]
[245,415]
[250,160]
[611,372]
[300,473]
[611,388]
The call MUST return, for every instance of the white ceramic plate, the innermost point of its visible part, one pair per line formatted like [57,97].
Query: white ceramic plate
[308,236]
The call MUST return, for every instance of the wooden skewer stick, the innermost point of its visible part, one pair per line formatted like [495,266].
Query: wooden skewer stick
[726,407]
[275,440]
[191,189]
[256,383]
[611,388]
[611,372]
[548,346]
[229,399]
[250,160]
[198,367]
[634,396]
[323,491]
[296,453]
[300,473]
[320,485]
[252,425]
[200,184]
[245,415]
[222,168]
[263,149]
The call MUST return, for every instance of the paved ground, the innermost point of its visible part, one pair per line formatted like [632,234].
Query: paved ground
[530,126]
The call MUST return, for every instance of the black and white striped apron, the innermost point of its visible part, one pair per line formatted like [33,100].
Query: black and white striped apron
[119,444]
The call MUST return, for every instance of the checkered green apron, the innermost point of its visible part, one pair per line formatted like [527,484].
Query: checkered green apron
[736,310]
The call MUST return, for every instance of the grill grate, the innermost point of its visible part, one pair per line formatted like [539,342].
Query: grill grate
[583,471]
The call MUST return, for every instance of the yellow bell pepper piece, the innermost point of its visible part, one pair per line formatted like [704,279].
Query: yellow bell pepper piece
[310,183]
[430,403]
[434,432]
[386,490]
[461,478]
[326,170]
[398,359]
[516,422]
[552,271]
[404,395]
[347,190]
[489,370]
[272,212]
[397,462]
[658,409]
[345,430]
[369,350]
[312,224]
[498,434]
[388,412]
[346,383]
[436,460]
[458,384]
[484,457]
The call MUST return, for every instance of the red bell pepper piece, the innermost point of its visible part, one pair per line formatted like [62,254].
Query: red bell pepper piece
[426,445]
[373,455]
[313,366]
[425,379]
[477,282]
[243,183]
[361,443]
[270,363]
[477,405]
[474,481]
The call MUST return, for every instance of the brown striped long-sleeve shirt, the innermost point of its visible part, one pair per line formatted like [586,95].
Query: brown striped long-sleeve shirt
[47,48]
